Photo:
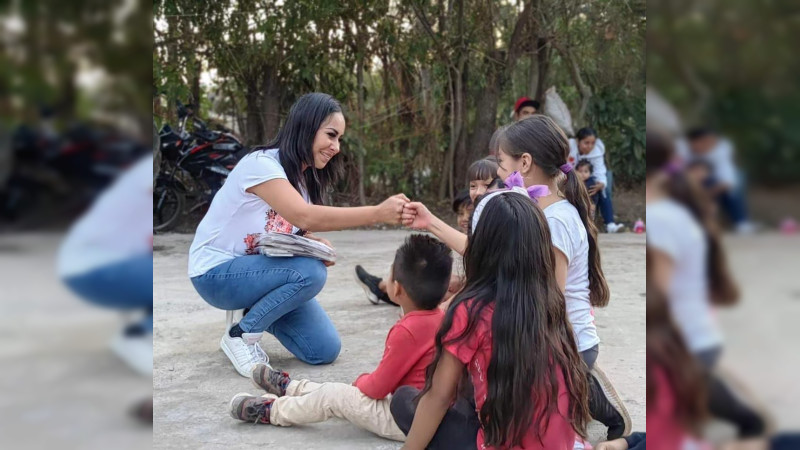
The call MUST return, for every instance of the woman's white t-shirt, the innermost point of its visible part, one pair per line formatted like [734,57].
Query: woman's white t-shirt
[569,236]
[672,229]
[118,225]
[236,216]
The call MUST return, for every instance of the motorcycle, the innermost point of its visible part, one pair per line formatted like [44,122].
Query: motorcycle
[57,175]
[194,167]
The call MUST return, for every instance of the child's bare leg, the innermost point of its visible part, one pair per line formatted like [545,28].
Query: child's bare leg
[382,285]
[336,400]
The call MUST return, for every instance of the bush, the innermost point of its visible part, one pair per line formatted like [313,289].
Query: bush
[619,118]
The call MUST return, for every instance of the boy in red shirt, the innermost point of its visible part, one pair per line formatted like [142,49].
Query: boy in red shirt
[417,282]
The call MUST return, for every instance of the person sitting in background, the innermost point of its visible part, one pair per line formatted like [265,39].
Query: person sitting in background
[587,146]
[525,107]
[724,184]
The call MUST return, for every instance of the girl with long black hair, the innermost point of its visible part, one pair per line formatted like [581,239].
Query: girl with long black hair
[279,187]
[510,332]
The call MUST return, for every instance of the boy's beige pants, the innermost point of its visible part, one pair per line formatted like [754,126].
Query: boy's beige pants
[309,402]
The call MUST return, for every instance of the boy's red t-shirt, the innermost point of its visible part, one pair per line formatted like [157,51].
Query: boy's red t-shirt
[408,352]
[475,351]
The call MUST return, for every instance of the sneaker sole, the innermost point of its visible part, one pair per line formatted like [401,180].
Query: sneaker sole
[230,404]
[370,296]
[613,397]
[229,354]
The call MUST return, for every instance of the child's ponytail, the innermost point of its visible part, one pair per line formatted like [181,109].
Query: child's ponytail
[575,193]
[548,146]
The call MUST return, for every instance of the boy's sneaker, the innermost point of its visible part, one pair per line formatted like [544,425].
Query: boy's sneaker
[135,347]
[370,284]
[270,380]
[606,406]
[244,352]
[614,227]
[250,408]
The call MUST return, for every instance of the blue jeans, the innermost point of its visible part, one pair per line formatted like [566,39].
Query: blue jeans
[126,285]
[602,200]
[280,295]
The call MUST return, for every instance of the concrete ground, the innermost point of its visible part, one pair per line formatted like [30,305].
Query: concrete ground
[60,384]
[193,381]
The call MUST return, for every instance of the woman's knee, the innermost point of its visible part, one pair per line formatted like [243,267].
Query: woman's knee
[324,351]
[315,274]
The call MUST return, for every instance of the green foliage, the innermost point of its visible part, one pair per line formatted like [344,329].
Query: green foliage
[619,118]
[404,134]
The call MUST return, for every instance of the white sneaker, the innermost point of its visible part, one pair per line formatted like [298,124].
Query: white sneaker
[746,228]
[135,350]
[244,352]
[614,227]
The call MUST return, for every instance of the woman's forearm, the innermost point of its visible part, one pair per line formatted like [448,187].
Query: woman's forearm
[430,412]
[329,218]
[454,239]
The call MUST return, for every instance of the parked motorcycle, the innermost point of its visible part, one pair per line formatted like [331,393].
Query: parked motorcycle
[194,167]
[59,174]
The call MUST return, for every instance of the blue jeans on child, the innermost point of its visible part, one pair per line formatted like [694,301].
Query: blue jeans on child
[603,201]
[125,285]
[280,295]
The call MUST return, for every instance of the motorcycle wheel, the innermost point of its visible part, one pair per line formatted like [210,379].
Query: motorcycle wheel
[168,204]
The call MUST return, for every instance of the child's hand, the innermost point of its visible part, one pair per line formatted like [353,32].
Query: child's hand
[417,216]
[616,444]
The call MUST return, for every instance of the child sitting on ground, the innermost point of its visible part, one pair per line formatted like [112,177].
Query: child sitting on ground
[417,282]
[584,169]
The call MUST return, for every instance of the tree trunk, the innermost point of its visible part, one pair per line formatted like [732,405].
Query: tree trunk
[196,69]
[575,73]
[362,134]
[485,119]
[270,101]
[455,130]
[255,128]
[543,63]
[407,107]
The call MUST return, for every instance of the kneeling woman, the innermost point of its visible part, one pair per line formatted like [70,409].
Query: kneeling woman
[279,187]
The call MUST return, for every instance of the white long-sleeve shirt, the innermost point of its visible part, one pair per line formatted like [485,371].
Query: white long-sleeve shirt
[596,157]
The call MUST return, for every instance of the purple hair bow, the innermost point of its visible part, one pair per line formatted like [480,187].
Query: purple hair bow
[515,182]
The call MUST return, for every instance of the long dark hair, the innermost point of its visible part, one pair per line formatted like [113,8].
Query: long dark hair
[531,336]
[295,140]
[548,146]
[660,159]
[667,351]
